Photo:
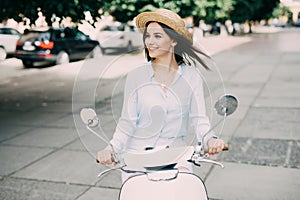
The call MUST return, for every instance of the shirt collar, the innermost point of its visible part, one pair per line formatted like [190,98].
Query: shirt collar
[151,71]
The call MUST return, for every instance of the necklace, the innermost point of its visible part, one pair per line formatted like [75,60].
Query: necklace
[164,74]
[165,81]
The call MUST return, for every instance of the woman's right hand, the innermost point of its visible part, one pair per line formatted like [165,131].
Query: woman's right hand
[106,157]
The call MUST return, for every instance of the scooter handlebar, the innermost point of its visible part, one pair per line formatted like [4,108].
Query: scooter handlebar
[226,148]
[196,158]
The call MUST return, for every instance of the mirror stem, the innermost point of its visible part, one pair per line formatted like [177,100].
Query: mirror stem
[202,139]
[96,134]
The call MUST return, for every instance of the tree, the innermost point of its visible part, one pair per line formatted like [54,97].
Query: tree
[243,10]
[281,11]
[124,10]
[218,10]
[9,9]
[210,10]
[265,10]
[252,10]
[74,9]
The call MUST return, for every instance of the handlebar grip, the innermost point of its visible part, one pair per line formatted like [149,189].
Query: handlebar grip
[226,147]
[113,159]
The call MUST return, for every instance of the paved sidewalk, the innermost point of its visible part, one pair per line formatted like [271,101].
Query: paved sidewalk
[42,156]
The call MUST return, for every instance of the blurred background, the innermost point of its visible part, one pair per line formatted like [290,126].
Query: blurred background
[111,23]
[23,14]
[238,15]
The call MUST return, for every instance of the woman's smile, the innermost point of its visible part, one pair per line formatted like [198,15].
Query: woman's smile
[157,41]
[152,48]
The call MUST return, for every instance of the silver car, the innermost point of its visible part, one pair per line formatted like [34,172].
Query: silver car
[8,40]
[117,37]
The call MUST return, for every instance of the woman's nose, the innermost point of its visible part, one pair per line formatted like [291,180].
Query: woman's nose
[150,40]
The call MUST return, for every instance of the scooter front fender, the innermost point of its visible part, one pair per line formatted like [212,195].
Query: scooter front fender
[184,186]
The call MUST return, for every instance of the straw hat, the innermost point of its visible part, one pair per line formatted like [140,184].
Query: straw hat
[167,17]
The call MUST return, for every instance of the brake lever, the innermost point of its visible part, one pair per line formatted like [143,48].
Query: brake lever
[109,170]
[200,156]
[212,162]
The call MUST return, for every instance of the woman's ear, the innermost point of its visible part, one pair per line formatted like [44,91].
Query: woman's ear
[174,43]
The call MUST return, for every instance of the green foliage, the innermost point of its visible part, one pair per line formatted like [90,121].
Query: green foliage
[124,10]
[281,11]
[62,8]
[9,9]
[253,10]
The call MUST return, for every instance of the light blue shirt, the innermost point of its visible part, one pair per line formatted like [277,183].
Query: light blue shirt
[152,117]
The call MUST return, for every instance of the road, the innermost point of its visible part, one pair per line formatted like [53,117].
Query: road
[44,155]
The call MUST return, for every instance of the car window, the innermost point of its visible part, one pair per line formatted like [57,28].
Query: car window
[110,28]
[121,28]
[113,28]
[5,31]
[44,37]
[81,36]
[133,28]
[14,32]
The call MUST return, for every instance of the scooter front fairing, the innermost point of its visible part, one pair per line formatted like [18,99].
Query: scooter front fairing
[176,186]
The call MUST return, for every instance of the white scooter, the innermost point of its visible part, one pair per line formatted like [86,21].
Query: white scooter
[154,175]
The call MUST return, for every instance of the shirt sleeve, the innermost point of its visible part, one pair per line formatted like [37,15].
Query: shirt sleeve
[199,121]
[127,123]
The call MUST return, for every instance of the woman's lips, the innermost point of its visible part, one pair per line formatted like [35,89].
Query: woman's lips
[152,48]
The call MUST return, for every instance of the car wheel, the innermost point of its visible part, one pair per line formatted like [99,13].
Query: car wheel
[62,58]
[27,63]
[3,54]
[129,47]
[96,52]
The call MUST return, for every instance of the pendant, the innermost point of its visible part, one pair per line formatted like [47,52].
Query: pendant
[163,86]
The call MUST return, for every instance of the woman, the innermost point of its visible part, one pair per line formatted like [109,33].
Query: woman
[163,97]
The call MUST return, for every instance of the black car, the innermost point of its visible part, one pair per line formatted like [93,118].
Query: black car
[57,46]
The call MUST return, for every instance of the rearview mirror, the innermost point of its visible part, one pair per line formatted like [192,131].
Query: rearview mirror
[89,117]
[226,105]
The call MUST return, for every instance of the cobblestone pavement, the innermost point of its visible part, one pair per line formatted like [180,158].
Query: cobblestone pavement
[46,153]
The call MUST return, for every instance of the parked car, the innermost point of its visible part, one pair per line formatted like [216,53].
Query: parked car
[8,40]
[277,23]
[57,46]
[120,37]
[297,23]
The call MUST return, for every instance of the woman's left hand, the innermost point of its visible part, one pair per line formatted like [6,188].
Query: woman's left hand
[215,146]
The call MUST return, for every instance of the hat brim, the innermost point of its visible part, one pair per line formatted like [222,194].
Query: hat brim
[145,17]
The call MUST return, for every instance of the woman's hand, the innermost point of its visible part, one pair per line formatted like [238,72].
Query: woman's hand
[215,146]
[105,157]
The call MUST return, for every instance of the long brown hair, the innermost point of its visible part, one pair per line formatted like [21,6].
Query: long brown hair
[184,51]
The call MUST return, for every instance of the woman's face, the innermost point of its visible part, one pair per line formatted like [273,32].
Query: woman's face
[158,43]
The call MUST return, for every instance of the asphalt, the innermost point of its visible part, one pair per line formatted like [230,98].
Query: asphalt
[46,152]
